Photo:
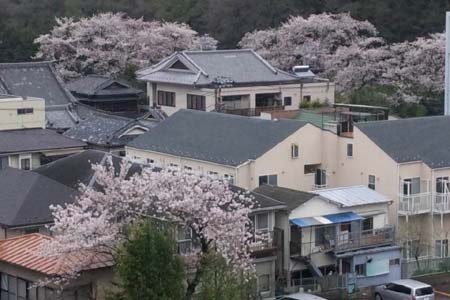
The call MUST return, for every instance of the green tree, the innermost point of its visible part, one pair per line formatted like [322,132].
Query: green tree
[148,266]
[219,282]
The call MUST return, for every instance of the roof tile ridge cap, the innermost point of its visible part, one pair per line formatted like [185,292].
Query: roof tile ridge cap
[186,56]
[265,62]
[26,63]
[61,83]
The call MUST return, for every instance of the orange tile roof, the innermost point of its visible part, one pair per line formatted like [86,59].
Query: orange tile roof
[24,251]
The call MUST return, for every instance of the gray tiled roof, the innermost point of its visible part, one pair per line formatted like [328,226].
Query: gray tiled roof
[426,139]
[77,169]
[242,66]
[26,196]
[28,140]
[292,198]
[34,79]
[215,137]
[93,85]
[38,79]
[104,129]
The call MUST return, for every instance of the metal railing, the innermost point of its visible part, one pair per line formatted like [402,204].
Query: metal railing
[441,202]
[251,112]
[414,204]
[263,241]
[365,238]
[326,283]
[345,242]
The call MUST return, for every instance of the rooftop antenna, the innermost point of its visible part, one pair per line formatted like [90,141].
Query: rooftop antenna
[447,65]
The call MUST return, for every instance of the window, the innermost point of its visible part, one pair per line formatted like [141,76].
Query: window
[294,151]
[31,230]
[229,178]
[166,98]
[184,239]
[321,178]
[196,102]
[360,270]
[150,161]
[371,184]
[441,248]
[367,224]
[213,174]
[307,98]
[262,221]
[442,185]
[173,166]
[287,101]
[401,289]
[411,186]
[15,288]
[424,291]
[264,283]
[187,168]
[310,169]
[394,262]
[268,179]
[25,111]
[350,150]
[25,162]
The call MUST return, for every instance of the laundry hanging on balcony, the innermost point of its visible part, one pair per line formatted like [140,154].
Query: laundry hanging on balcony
[344,217]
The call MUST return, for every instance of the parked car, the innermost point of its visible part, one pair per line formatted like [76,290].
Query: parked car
[300,296]
[405,289]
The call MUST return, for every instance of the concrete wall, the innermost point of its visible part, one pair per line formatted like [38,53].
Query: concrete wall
[10,119]
[394,270]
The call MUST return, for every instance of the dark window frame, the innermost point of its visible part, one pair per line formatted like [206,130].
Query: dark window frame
[349,150]
[287,101]
[25,111]
[370,184]
[166,98]
[196,102]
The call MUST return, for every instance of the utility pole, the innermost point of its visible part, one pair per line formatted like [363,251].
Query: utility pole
[447,65]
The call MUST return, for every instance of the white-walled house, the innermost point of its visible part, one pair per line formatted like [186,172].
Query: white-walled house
[246,151]
[341,231]
[232,81]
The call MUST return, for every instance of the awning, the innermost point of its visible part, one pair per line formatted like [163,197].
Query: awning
[327,219]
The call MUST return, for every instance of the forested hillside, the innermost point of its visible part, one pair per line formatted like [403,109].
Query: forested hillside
[21,21]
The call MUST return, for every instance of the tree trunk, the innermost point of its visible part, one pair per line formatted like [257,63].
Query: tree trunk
[192,284]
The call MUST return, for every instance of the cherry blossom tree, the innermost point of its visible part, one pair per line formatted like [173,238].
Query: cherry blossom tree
[417,68]
[108,43]
[308,40]
[216,216]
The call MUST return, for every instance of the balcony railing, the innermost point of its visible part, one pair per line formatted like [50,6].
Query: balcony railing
[441,203]
[251,112]
[346,242]
[263,241]
[365,238]
[414,204]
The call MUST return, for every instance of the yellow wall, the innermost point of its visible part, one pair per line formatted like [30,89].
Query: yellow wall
[10,119]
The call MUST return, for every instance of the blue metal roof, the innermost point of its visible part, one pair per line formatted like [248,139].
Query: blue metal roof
[327,219]
[343,217]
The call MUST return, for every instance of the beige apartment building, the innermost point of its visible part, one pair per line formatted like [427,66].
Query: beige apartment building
[246,151]
[407,160]
[233,81]
[21,112]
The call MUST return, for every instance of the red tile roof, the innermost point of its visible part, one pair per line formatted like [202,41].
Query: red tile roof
[24,251]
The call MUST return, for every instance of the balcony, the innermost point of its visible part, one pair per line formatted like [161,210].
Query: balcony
[441,203]
[414,204]
[263,244]
[345,242]
[365,239]
[252,112]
